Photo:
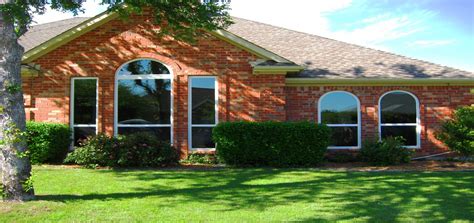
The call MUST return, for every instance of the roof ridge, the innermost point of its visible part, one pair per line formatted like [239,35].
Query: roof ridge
[353,44]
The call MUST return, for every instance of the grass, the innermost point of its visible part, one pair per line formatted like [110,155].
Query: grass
[244,195]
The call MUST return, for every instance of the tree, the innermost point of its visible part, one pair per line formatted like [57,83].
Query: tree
[182,19]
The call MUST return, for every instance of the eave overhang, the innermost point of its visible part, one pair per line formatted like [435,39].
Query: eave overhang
[378,82]
[276,69]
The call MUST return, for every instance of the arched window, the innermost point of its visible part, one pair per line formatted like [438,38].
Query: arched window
[400,116]
[340,111]
[143,99]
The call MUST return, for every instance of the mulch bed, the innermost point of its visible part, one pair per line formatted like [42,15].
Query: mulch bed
[430,165]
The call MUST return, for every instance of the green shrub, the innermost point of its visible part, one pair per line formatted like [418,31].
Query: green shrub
[458,133]
[99,150]
[47,142]
[389,151]
[135,150]
[145,150]
[199,158]
[271,143]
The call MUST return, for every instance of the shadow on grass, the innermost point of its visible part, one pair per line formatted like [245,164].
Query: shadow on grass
[373,196]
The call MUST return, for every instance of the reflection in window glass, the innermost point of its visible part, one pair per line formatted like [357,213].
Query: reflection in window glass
[398,107]
[85,96]
[83,108]
[81,133]
[344,136]
[339,108]
[203,111]
[202,137]
[141,67]
[339,111]
[407,132]
[203,97]
[144,99]
[398,117]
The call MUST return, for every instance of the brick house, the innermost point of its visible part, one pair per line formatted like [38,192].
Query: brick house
[103,74]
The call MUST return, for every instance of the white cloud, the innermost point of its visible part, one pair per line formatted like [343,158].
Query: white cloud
[375,33]
[431,43]
[302,15]
[92,8]
[313,17]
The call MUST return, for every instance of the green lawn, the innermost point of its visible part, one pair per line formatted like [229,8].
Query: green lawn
[250,195]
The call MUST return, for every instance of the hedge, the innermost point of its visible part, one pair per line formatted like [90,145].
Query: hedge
[278,144]
[47,142]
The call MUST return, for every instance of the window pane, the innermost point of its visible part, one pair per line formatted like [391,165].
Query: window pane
[407,132]
[339,108]
[202,137]
[141,67]
[81,133]
[344,136]
[85,101]
[398,107]
[203,100]
[145,101]
[162,133]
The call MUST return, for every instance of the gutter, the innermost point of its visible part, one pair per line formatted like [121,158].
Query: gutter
[378,82]
[276,69]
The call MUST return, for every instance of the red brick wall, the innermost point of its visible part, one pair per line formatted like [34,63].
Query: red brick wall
[436,104]
[242,95]
[99,53]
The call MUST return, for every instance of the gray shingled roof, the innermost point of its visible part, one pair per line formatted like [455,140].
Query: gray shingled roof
[322,57]
[39,34]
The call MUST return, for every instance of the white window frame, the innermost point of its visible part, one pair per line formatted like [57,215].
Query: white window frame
[143,77]
[417,124]
[190,112]
[71,110]
[358,125]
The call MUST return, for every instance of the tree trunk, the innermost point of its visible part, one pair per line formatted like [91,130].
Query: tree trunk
[14,164]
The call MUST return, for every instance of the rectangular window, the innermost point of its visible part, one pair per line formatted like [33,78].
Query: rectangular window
[144,104]
[84,97]
[203,109]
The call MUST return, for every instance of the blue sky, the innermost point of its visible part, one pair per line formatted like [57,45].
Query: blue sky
[440,31]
